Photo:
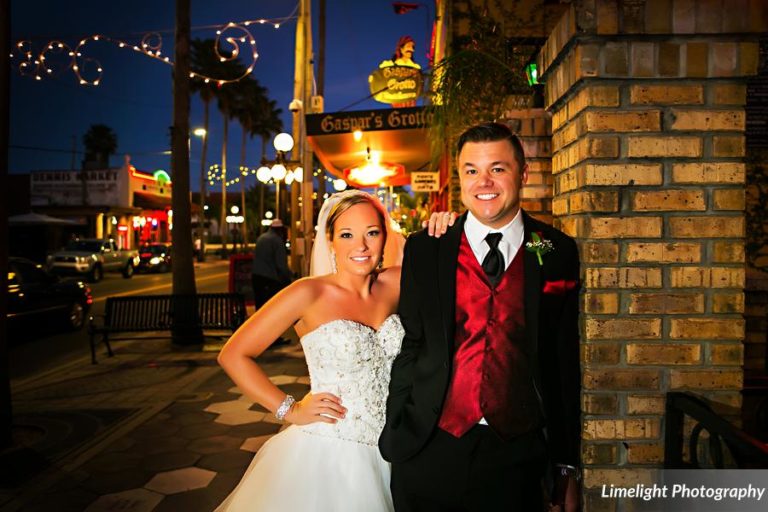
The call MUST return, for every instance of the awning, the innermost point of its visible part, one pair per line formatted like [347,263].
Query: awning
[398,134]
[151,202]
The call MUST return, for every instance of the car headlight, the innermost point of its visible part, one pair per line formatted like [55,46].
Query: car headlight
[136,260]
[154,260]
[82,259]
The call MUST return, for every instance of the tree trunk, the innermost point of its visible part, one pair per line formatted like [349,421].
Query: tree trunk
[223,220]
[6,413]
[244,226]
[203,182]
[185,329]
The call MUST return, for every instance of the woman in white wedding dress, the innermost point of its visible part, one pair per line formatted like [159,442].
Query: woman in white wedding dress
[328,460]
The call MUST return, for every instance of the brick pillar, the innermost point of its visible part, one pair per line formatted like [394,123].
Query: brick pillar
[534,127]
[647,101]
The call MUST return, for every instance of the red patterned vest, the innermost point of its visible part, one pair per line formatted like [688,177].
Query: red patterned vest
[491,371]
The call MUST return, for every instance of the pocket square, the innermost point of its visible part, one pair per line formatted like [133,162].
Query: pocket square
[559,287]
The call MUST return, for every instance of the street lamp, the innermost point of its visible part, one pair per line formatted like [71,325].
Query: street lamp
[203,134]
[281,168]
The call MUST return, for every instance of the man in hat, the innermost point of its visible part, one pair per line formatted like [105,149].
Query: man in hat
[270,272]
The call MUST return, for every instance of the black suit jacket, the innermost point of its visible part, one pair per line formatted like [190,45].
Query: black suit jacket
[421,372]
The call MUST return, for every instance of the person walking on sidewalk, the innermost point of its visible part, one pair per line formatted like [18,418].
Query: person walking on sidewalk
[270,272]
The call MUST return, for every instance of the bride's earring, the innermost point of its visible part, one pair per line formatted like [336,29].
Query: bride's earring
[333,262]
[381,263]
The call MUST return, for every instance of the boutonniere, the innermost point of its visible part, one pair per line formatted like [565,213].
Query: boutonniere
[540,246]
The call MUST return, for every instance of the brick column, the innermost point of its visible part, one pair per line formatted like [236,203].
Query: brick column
[647,101]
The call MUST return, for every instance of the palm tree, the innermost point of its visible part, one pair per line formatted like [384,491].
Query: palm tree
[208,62]
[185,330]
[270,124]
[100,143]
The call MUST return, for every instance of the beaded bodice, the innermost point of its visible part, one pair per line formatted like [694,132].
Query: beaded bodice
[353,361]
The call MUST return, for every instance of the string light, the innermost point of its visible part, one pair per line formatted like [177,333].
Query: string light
[88,71]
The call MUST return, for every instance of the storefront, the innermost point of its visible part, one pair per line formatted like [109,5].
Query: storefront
[123,203]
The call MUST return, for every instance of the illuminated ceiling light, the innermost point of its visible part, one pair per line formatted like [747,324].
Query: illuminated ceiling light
[358,135]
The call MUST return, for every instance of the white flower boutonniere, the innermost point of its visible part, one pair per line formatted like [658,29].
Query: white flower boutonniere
[540,246]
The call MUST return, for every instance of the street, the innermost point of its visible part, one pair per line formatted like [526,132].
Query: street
[45,348]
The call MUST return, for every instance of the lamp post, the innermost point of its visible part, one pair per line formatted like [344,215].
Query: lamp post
[281,168]
[203,134]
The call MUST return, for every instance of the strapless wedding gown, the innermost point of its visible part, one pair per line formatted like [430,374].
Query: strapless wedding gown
[323,467]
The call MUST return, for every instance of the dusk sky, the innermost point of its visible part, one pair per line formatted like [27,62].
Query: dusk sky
[135,94]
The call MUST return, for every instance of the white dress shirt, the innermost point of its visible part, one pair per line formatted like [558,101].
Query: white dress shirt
[511,237]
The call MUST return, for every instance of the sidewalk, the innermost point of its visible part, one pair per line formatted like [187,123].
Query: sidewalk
[152,429]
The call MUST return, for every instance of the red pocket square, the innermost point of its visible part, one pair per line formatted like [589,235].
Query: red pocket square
[559,287]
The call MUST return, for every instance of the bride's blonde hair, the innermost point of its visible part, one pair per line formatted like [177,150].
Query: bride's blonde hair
[348,202]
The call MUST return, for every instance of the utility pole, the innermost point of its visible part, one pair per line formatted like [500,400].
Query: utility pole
[321,88]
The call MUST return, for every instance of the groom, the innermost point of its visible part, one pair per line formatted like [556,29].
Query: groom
[484,398]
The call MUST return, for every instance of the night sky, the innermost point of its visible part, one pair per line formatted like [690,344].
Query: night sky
[135,94]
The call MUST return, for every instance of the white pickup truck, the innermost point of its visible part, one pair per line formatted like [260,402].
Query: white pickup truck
[91,257]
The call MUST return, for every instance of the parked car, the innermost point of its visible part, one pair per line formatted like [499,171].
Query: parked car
[154,258]
[37,295]
[91,257]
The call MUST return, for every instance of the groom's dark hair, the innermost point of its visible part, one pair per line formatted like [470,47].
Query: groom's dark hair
[491,132]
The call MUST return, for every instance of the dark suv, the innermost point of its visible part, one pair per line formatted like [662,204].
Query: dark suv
[154,258]
[33,294]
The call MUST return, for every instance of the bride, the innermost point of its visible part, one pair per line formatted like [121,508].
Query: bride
[328,459]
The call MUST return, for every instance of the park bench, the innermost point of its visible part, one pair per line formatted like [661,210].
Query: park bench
[156,313]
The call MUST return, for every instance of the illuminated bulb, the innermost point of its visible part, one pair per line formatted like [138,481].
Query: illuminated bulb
[37,77]
[99,70]
[277,25]
[247,23]
[191,75]
[95,38]
[218,32]
[75,68]
[49,71]
[136,48]
[71,54]
[339,185]
[83,82]
[121,45]
[221,82]
[298,174]
[242,39]
[358,135]
[263,174]
[207,80]
[260,21]
[289,178]
[96,82]
[279,171]
[167,59]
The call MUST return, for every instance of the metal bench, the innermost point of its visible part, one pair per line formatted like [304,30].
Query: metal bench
[156,313]
[721,442]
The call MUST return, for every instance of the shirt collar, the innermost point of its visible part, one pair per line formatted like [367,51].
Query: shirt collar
[512,233]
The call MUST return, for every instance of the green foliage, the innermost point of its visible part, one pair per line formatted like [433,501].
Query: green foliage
[473,84]
[100,142]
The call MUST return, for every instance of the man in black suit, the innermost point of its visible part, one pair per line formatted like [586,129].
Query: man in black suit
[484,400]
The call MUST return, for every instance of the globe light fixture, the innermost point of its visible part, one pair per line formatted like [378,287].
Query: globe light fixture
[339,185]
[235,210]
[289,177]
[298,174]
[283,142]
[200,132]
[263,174]
[279,172]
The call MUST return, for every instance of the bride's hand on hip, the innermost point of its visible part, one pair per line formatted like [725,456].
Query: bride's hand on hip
[323,407]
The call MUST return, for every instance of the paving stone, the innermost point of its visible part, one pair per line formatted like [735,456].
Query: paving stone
[253,444]
[223,461]
[225,481]
[169,460]
[199,500]
[155,430]
[160,445]
[240,417]
[119,445]
[203,430]
[257,407]
[180,480]
[231,406]
[193,418]
[254,429]
[112,462]
[74,500]
[303,380]
[283,379]
[235,389]
[134,500]
[108,483]
[214,444]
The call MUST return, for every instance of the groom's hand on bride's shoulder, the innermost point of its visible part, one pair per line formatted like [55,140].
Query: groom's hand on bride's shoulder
[324,407]
[439,222]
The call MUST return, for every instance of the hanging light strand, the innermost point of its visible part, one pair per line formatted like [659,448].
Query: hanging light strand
[88,71]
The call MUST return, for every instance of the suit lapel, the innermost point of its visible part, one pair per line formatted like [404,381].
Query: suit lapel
[447,262]
[532,287]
